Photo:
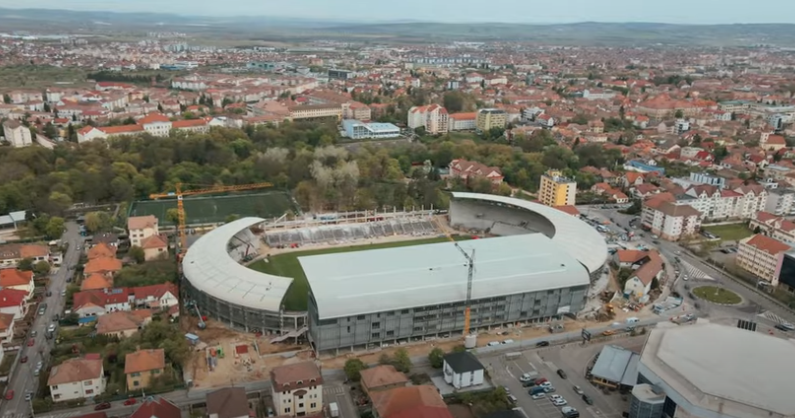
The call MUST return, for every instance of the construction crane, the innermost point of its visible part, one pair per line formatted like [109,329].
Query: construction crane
[179,193]
[470,272]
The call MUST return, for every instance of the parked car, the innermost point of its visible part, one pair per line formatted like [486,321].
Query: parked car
[28,396]
[559,402]
[587,399]
[561,373]
[31,342]
[24,359]
[542,344]
[548,389]
[10,395]
[130,401]
[103,405]
[51,328]
[525,378]
[578,390]
[539,395]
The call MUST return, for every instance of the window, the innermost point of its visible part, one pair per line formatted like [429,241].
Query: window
[390,333]
[299,382]
[135,383]
[55,387]
[300,396]
[360,317]
[89,391]
[301,405]
[287,409]
[136,374]
[349,328]
[376,335]
[313,405]
[376,325]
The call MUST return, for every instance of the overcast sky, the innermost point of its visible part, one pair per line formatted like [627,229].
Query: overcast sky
[519,11]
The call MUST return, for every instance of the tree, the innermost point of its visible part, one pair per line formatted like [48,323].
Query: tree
[172,215]
[679,114]
[98,221]
[402,361]
[655,284]
[26,264]
[41,268]
[137,254]
[55,227]
[353,369]
[757,230]
[6,99]
[436,357]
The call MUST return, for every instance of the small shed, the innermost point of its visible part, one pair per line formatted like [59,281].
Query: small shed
[193,339]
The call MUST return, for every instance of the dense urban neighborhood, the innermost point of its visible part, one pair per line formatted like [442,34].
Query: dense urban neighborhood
[447,229]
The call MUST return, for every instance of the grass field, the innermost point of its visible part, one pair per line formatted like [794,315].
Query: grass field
[731,232]
[287,265]
[717,295]
[213,209]
[41,76]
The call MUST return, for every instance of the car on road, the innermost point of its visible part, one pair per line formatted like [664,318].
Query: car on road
[578,390]
[31,342]
[34,333]
[559,402]
[512,399]
[24,359]
[561,373]
[587,399]
[542,344]
[63,292]
[28,396]
[608,333]
[785,327]
[39,364]
[130,401]
[539,396]
[10,394]
[103,405]
[51,328]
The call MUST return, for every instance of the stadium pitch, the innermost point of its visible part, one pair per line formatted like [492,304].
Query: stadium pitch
[287,265]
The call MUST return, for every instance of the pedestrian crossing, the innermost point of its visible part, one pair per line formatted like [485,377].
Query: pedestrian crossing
[45,415]
[329,390]
[773,317]
[693,273]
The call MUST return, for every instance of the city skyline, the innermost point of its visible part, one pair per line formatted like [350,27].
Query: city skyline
[446,11]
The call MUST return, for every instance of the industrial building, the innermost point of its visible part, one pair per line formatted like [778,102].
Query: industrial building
[361,130]
[360,299]
[707,370]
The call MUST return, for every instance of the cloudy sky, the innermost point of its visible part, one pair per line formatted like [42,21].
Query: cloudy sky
[518,11]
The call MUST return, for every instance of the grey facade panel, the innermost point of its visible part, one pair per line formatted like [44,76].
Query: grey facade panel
[392,326]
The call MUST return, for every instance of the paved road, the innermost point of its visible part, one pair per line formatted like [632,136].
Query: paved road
[22,380]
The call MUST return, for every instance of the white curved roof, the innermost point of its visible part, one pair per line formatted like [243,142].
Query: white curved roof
[574,236]
[209,268]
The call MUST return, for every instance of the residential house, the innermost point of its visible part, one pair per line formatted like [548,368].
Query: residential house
[102,250]
[157,296]
[228,403]
[142,366]
[632,179]
[382,377]
[108,238]
[17,280]
[12,254]
[140,228]
[155,247]
[6,328]
[12,302]
[157,408]
[646,268]
[462,370]
[105,266]
[297,389]
[433,118]
[467,170]
[773,226]
[780,202]
[774,143]
[90,304]
[410,401]
[761,256]
[570,209]
[123,324]
[77,378]
[669,220]
[96,281]
[17,134]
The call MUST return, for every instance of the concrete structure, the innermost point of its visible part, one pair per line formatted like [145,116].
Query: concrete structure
[491,118]
[462,370]
[616,367]
[140,228]
[231,293]
[297,389]
[786,274]
[762,256]
[142,366]
[463,121]
[360,130]
[17,134]
[556,190]
[710,179]
[433,118]
[314,112]
[780,202]
[647,402]
[704,370]
[400,294]
[776,227]
[76,378]
[668,220]
[334,74]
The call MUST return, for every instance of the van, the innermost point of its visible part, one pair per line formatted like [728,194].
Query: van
[633,320]
[512,399]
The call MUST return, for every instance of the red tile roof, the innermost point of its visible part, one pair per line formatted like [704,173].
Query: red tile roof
[145,360]
[156,291]
[421,401]
[14,277]
[767,244]
[100,297]
[12,297]
[159,408]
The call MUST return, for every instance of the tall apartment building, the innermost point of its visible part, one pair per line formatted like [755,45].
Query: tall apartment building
[491,118]
[17,134]
[669,219]
[556,190]
[297,389]
[761,256]
[433,118]
[780,202]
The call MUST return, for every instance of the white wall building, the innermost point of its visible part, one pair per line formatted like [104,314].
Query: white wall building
[761,255]
[433,118]
[76,378]
[17,134]
[670,221]
[780,202]
[462,370]
[297,389]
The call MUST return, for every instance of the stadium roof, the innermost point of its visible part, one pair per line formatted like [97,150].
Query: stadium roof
[723,369]
[210,269]
[617,365]
[353,283]
[574,236]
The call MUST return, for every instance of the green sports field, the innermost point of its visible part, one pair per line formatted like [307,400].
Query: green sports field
[214,209]
[287,265]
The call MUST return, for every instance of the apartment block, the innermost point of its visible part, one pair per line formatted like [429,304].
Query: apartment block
[780,202]
[556,189]
[668,219]
[761,256]
[297,389]
[433,118]
[491,118]
[17,134]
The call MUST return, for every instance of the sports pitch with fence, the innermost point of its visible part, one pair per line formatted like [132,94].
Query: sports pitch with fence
[215,209]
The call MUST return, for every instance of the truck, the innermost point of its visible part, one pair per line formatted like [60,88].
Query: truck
[333,410]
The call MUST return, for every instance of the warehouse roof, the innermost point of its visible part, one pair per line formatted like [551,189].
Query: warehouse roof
[617,365]
[353,283]
[724,369]
[210,269]
[574,236]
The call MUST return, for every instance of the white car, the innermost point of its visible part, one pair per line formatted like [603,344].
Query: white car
[555,397]
[525,377]
[546,384]
[539,396]
[559,402]
[567,410]
[578,390]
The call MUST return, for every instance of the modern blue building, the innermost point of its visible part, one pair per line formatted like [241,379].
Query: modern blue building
[355,129]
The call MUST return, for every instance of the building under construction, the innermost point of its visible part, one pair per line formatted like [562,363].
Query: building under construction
[388,296]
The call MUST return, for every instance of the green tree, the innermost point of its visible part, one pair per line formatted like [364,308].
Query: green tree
[98,221]
[6,99]
[679,114]
[50,131]
[137,254]
[353,369]
[55,227]
[172,215]
[41,268]
[436,357]
[59,201]
[402,361]
[26,264]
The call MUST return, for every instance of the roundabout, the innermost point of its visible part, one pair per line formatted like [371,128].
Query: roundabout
[717,295]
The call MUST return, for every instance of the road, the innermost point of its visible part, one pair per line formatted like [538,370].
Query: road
[22,380]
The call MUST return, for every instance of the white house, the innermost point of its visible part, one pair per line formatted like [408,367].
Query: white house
[140,228]
[6,328]
[76,378]
[18,280]
[17,134]
[297,389]
[462,370]
[158,296]
[12,302]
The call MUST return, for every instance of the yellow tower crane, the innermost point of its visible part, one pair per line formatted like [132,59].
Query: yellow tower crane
[179,193]
[470,272]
